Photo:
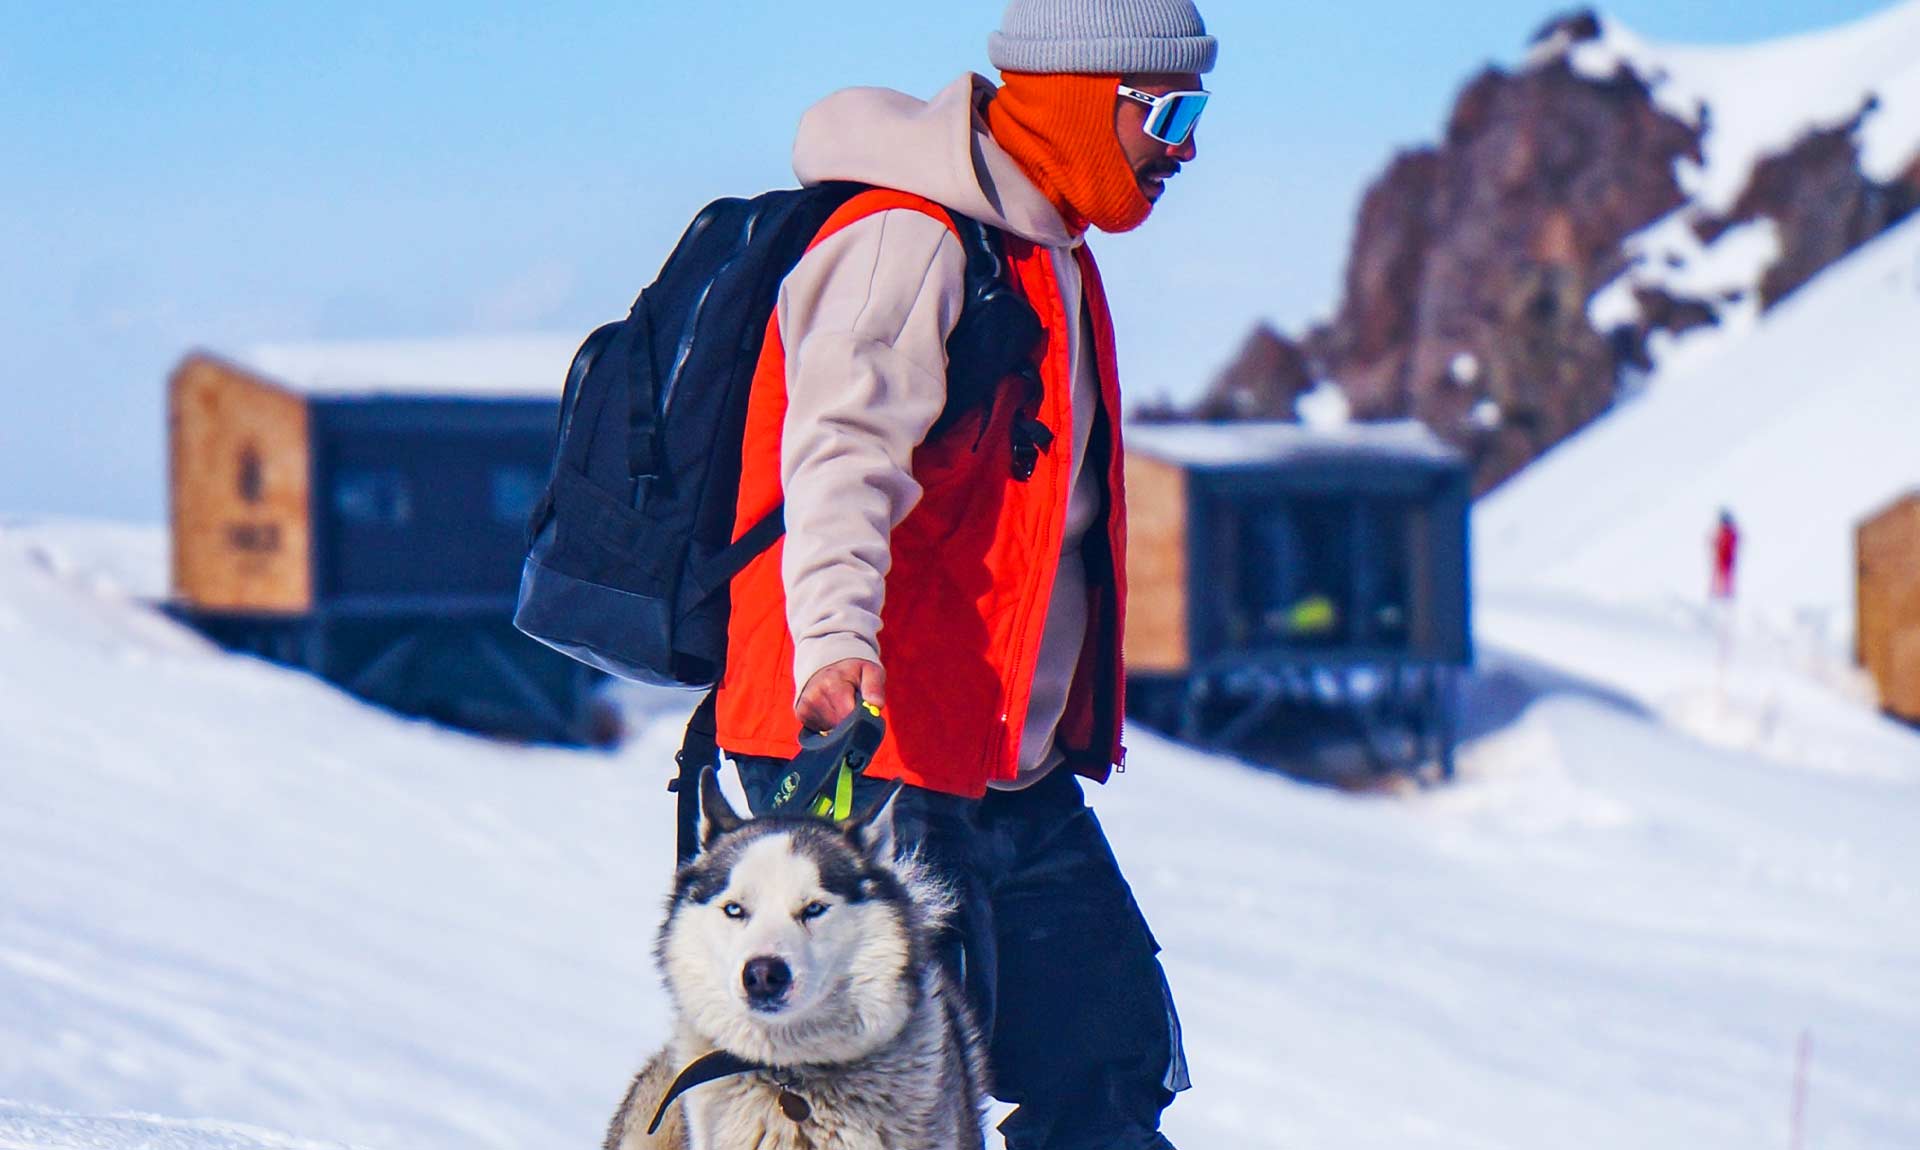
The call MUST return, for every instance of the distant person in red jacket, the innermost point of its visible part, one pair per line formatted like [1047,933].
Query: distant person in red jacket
[1726,551]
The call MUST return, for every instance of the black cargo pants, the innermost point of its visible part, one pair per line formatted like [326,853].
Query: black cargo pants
[1054,954]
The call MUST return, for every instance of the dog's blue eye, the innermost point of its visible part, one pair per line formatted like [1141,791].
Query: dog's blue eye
[812,910]
[734,910]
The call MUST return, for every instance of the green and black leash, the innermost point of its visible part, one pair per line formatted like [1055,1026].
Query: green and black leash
[818,780]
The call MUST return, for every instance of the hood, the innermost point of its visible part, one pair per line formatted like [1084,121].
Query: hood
[936,148]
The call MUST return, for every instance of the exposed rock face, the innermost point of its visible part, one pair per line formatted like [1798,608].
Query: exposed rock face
[1821,203]
[1489,246]
[1368,344]
[1265,376]
[1485,249]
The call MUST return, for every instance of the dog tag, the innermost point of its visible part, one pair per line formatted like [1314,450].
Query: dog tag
[794,1106]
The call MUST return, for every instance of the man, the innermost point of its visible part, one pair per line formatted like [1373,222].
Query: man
[975,594]
[1726,552]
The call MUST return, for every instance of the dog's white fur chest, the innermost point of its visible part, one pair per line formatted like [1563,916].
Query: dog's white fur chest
[905,1096]
[746,1112]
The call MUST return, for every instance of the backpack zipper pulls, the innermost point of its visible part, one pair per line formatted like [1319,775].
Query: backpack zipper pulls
[1031,439]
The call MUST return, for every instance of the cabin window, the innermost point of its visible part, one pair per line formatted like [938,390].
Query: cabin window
[512,492]
[1295,559]
[373,496]
[1321,571]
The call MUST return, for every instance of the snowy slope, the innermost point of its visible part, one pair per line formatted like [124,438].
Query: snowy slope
[232,895]
[229,892]
[38,1128]
[1802,426]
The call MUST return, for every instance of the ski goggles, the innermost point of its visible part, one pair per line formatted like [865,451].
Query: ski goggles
[1170,118]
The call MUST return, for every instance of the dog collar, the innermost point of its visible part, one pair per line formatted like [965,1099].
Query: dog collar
[720,1064]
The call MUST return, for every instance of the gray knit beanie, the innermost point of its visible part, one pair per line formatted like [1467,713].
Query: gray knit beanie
[1101,36]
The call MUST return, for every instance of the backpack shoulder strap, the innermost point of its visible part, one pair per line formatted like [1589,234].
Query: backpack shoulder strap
[996,332]
[872,202]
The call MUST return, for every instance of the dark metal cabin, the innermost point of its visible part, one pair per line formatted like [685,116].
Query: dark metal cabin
[360,511]
[1270,563]
[422,504]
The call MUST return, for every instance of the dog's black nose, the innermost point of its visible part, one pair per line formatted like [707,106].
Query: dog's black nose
[766,980]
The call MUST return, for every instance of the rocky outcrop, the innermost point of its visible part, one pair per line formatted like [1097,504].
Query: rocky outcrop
[1485,250]
[1368,343]
[1821,204]
[1263,380]
[1473,260]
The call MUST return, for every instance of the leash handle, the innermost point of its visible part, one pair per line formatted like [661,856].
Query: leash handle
[819,780]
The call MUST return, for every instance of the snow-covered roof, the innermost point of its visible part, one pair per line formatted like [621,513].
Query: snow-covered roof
[1239,444]
[493,366]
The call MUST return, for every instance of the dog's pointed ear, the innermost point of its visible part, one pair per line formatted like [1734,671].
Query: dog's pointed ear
[715,811]
[872,826]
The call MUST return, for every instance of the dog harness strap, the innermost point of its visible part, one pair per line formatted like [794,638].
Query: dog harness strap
[698,751]
[701,1070]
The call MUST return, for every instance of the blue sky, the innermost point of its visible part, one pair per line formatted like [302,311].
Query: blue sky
[180,175]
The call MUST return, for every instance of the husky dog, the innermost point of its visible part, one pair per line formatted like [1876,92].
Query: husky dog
[799,956]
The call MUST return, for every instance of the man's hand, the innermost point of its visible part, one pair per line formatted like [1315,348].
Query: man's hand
[828,696]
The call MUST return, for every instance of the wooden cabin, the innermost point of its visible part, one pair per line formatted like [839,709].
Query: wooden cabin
[1264,554]
[360,510]
[1887,628]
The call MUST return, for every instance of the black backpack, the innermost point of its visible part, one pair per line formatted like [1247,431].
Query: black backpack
[631,548]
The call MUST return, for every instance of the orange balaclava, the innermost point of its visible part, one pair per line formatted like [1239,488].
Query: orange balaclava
[1058,126]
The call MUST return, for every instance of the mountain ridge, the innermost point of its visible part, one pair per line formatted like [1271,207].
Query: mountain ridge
[1509,283]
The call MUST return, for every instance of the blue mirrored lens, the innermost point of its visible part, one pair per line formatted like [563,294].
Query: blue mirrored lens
[1172,122]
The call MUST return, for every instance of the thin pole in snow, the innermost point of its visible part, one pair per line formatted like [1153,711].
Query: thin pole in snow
[1802,1061]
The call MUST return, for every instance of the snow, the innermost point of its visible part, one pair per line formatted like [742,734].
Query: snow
[1760,99]
[231,892]
[1486,415]
[1464,369]
[529,366]
[1670,256]
[1324,406]
[233,895]
[1240,443]
[1749,102]
[38,1128]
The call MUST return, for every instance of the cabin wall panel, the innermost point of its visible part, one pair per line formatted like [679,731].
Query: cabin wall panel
[1887,625]
[239,492]
[1156,640]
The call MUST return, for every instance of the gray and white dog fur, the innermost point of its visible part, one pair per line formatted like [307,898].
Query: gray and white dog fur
[870,1031]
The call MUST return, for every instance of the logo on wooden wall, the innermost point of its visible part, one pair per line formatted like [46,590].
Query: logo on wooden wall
[250,481]
[260,538]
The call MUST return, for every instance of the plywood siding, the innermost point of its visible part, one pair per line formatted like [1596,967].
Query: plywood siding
[1900,689]
[238,453]
[1887,630]
[1157,590]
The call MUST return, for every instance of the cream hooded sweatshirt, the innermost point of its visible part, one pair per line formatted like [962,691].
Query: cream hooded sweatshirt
[865,317]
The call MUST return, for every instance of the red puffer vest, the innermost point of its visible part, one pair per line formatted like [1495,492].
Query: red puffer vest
[973,568]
